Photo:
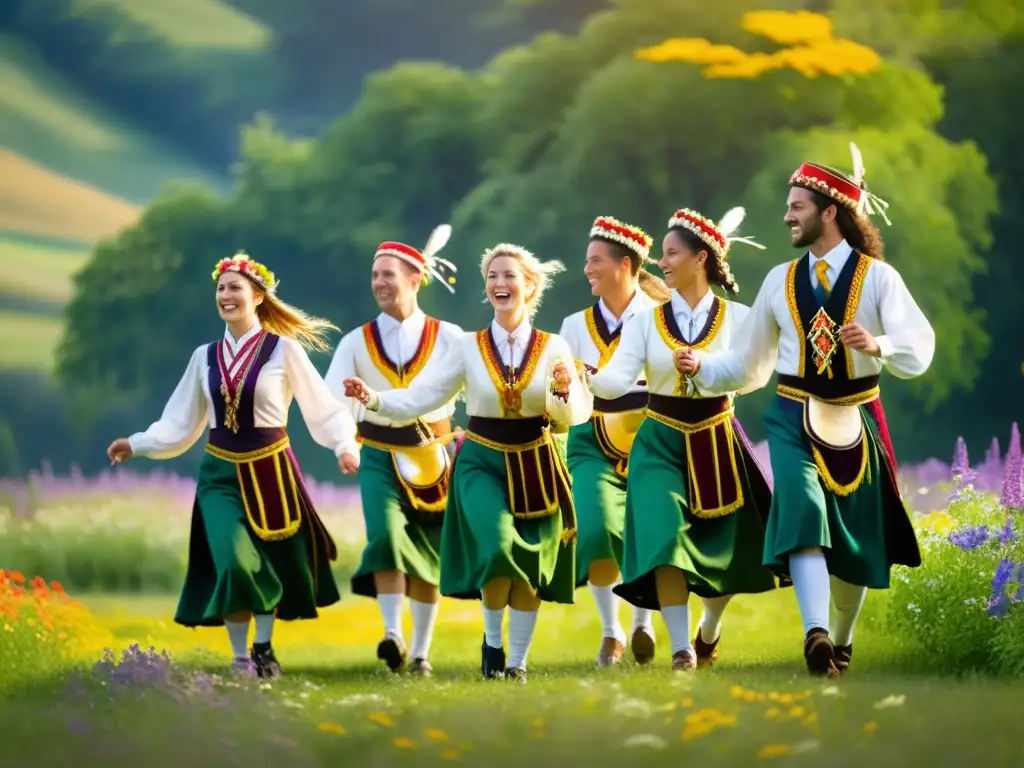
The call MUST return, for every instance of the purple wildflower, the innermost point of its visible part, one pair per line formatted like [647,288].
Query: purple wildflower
[1007,587]
[1007,534]
[1013,483]
[960,465]
[136,668]
[993,453]
[971,537]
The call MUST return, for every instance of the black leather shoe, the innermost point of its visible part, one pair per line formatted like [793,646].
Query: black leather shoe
[820,653]
[842,656]
[265,662]
[492,661]
[392,652]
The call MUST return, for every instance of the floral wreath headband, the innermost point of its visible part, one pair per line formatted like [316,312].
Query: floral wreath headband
[718,237]
[243,265]
[426,261]
[850,192]
[633,238]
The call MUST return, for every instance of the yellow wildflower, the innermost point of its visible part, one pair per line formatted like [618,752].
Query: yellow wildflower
[450,754]
[773,750]
[382,718]
[332,728]
[788,28]
[404,742]
[797,712]
[771,713]
[870,727]
[436,734]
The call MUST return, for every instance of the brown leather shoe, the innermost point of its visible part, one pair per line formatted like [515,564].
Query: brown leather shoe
[610,653]
[820,653]
[707,653]
[420,667]
[683,661]
[642,644]
[842,656]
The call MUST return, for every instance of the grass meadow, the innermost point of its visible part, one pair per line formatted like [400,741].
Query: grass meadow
[936,676]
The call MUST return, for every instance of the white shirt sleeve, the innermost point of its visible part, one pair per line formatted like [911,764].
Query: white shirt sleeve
[908,342]
[329,420]
[184,419]
[425,395]
[343,366]
[750,360]
[580,403]
[620,375]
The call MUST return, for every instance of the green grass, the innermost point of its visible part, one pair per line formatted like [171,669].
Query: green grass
[337,704]
[192,23]
[37,271]
[45,119]
[29,341]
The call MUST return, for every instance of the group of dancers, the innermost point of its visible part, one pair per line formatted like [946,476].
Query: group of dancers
[607,455]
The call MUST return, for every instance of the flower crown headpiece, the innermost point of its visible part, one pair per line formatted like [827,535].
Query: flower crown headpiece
[243,265]
[633,238]
[850,192]
[426,261]
[718,237]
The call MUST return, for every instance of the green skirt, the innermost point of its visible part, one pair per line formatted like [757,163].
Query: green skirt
[231,570]
[862,533]
[719,555]
[398,537]
[481,540]
[600,496]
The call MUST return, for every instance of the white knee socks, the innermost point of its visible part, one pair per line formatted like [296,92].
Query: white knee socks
[847,599]
[264,627]
[811,583]
[493,618]
[677,621]
[521,625]
[608,609]
[391,610]
[711,619]
[238,634]
[424,616]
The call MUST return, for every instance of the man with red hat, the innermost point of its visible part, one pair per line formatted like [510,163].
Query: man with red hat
[403,471]
[828,323]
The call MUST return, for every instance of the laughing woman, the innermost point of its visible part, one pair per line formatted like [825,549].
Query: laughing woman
[696,500]
[510,525]
[598,451]
[257,546]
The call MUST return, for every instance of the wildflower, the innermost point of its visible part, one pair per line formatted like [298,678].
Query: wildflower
[1006,587]
[961,465]
[871,726]
[404,742]
[450,754]
[832,690]
[1007,535]
[645,740]
[382,718]
[436,734]
[1013,492]
[332,728]
[971,537]
[773,750]
[891,701]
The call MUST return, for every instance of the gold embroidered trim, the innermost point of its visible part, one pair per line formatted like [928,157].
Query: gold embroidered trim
[661,322]
[794,312]
[827,478]
[510,396]
[415,366]
[604,351]
[248,456]
[691,429]
[856,289]
[799,395]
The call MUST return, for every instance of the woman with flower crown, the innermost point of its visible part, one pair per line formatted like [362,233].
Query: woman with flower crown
[598,451]
[258,549]
[696,499]
[509,529]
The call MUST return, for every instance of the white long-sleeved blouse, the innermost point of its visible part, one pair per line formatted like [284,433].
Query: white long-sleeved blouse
[288,373]
[648,345]
[469,367]
[770,339]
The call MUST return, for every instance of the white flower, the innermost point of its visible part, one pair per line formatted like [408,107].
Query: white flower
[891,701]
[632,708]
[645,740]
[832,690]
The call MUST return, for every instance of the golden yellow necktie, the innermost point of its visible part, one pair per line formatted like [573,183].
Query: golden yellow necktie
[820,271]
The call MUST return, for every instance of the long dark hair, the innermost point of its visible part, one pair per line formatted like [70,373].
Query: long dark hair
[650,284]
[858,231]
[719,272]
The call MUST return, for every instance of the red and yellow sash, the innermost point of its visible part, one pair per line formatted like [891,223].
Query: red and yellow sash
[508,382]
[387,367]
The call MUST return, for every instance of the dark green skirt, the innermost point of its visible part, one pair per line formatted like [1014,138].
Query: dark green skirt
[481,539]
[231,570]
[719,555]
[398,537]
[862,533]
[600,496]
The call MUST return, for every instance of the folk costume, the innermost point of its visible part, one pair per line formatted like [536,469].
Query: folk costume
[404,464]
[833,463]
[510,512]
[598,450]
[257,544]
[696,498]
